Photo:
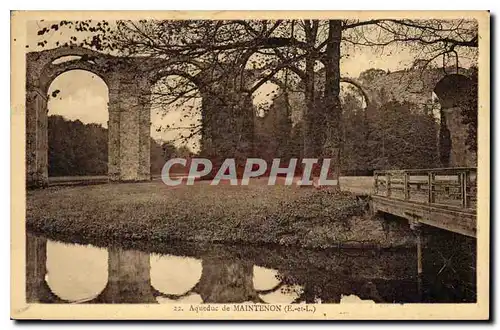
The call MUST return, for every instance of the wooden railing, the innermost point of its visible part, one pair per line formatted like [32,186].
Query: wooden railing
[455,187]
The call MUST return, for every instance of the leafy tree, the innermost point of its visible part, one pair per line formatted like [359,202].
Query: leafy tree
[402,138]
[76,149]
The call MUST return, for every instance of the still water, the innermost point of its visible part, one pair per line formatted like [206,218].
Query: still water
[65,272]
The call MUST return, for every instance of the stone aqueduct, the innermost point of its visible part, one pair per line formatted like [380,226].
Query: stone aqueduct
[129,84]
[227,113]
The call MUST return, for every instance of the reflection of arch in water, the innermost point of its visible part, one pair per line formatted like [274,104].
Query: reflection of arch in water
[310,276]
[215,280]
[174,277]
[324,276]
[56,273]
[271,287]
[76,273]
[37,290]
[238,281]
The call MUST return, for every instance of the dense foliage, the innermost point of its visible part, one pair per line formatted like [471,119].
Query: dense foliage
[395,136]
[76,148]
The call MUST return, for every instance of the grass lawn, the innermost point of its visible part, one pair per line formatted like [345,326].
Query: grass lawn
[254,214]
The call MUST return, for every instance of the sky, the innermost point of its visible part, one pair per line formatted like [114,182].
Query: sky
[84,95]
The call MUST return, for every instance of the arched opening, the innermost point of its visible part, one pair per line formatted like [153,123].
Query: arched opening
[453,90]
[276,100]
[176,121]
[77,125]
[76,273]
[264,97]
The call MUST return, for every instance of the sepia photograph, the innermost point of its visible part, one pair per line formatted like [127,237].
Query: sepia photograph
[250,165]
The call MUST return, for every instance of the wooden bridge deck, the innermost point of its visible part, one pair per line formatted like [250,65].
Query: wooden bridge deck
[443,198]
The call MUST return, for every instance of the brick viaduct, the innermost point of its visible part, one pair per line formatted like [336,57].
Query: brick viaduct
[227,113]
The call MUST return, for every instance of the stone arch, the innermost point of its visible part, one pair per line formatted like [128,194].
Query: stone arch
[55,70]
[227,113]
[37,289]
[128,125]
[457,95]
[40,73]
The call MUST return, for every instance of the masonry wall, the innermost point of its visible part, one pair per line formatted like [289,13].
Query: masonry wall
[36,139]
[460,155]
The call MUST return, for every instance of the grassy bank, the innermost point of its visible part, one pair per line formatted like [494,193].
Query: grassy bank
[255,214]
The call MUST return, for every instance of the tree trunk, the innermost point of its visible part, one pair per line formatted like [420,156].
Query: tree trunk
[332,110]
[311,147]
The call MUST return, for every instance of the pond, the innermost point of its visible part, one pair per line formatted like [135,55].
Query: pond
[73,271]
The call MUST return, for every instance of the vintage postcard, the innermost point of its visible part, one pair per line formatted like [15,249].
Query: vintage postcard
[250,165]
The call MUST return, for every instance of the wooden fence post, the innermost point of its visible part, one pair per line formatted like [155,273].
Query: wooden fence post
[430,188]
[406,188]
[463,186]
